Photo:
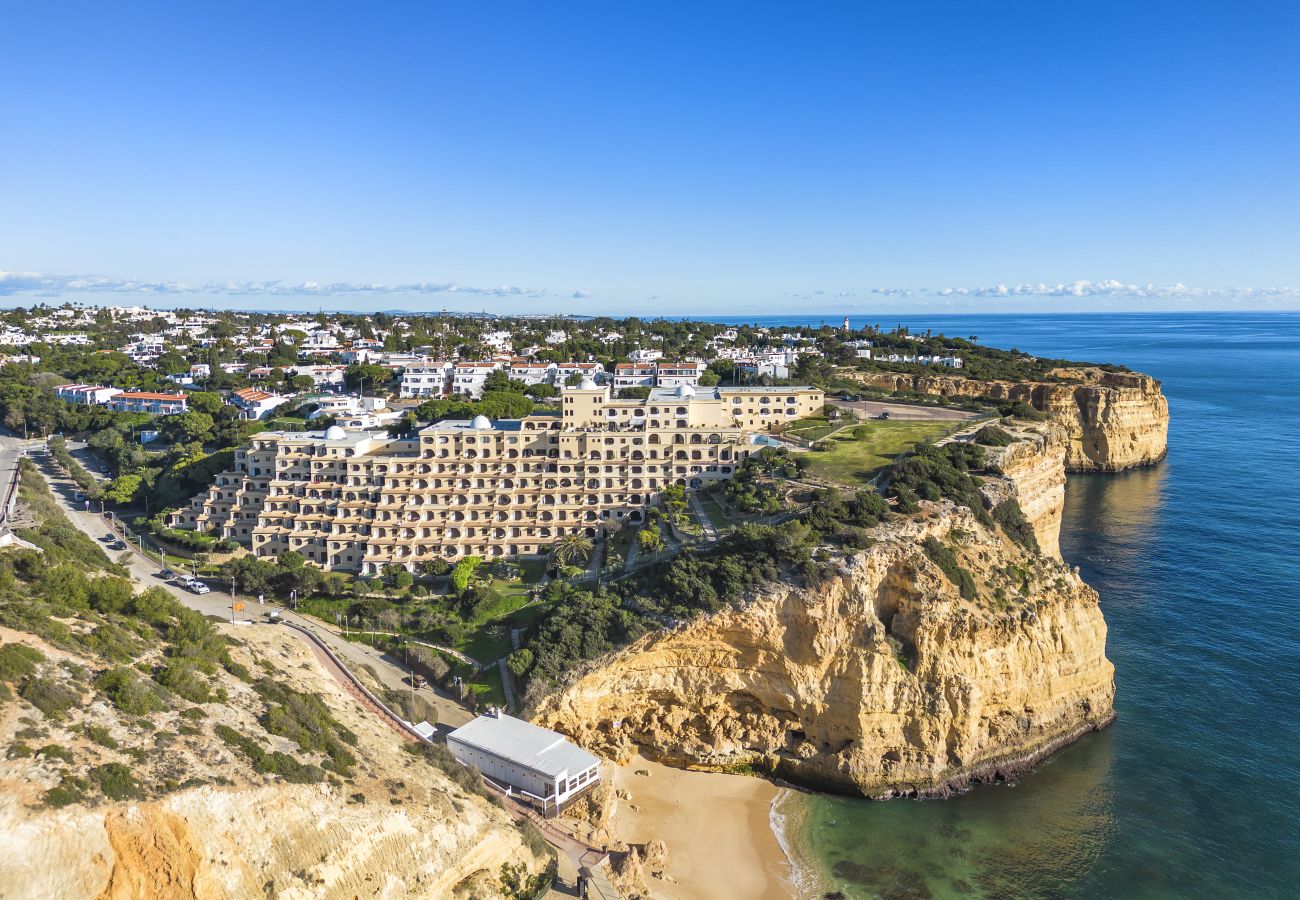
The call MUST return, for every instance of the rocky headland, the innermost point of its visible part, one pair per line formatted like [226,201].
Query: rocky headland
[895,676]
[1113,420]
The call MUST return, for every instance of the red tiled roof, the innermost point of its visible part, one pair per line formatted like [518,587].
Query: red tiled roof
[148,395]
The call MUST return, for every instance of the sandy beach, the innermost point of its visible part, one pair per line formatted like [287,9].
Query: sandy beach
[717,829]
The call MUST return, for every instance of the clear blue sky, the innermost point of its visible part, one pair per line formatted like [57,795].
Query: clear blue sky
[716,157]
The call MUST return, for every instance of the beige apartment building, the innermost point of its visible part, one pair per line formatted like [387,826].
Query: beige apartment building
[358,501]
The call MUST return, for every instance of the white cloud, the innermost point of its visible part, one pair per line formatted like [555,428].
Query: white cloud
[581,295]
[1084,289]
[60,285]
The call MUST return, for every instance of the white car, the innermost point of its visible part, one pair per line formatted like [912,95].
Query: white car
[199,587]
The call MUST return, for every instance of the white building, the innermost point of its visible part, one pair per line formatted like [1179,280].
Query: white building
[535,763]
[645,356]
[149,402]
[678,374]
[254,404]
[425,380]
[469,378]
[628,375]
[501,341]
[532,371]
[86,394]
[320,375]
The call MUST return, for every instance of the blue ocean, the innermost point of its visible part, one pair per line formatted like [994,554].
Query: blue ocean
[1195,790]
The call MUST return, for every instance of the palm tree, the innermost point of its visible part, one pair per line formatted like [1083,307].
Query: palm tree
[572,549]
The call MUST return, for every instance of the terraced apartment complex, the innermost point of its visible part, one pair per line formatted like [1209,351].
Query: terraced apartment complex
[358,501]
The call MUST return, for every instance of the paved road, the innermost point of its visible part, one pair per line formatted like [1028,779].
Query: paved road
[909,412]
[144,570]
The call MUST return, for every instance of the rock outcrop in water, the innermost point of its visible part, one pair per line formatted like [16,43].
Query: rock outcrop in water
[1114,420]
[883,679]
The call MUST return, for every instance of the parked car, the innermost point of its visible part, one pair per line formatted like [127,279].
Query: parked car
[199,587]
[166,575]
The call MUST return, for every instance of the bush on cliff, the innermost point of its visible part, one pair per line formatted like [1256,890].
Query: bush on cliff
[946,559]
[936,473]
[1011,517]
[993,436]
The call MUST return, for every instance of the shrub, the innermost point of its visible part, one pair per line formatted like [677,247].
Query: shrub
[1011,517]
[54,751]
[993,436]
[116,782]
[180,679]
[114,643]
[129,692]
[99,734]
[946,559]
[51,697]
[277,763]
[69,790]
[1019,409]
[306,720]
[18,661]
[440,757]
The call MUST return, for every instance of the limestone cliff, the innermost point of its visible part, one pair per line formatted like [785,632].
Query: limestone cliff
[1034,466]
[1114,420]
[883,679]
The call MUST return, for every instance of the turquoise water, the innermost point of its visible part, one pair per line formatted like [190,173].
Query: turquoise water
[1195,790]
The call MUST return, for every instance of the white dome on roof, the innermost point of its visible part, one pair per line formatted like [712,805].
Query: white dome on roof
[481,422]
[587,383]
[335,433]
[685,390]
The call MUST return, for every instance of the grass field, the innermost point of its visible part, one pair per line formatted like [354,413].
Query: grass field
[857,454]
[720,519]
[813,428]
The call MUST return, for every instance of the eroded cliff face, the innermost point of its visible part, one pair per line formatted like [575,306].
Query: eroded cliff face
[1034,470]
[288,841]
[1114,420]
[884,679]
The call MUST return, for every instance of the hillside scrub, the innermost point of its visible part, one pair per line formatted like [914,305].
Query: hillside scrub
[148,657]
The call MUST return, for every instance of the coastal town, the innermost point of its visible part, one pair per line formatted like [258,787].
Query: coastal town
[460,515]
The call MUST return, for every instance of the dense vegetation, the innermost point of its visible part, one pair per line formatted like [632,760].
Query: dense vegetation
[581,624]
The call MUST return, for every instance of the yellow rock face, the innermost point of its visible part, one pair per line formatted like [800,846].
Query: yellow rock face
[1114,420]
[882,680]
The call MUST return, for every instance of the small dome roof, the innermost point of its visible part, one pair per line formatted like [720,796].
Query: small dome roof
[481,422]
[685,390]
[335,433]
[587,383]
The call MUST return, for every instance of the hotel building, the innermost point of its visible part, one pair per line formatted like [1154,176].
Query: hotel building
[358,501]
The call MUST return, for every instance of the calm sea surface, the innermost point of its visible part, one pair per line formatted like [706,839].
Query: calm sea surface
[1195,790]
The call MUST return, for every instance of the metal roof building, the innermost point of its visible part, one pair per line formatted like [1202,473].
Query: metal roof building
[539,764]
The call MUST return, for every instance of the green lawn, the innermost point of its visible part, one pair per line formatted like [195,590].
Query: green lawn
[856,460]
[486,686]
[812,428]
[489,638]
[720,519]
